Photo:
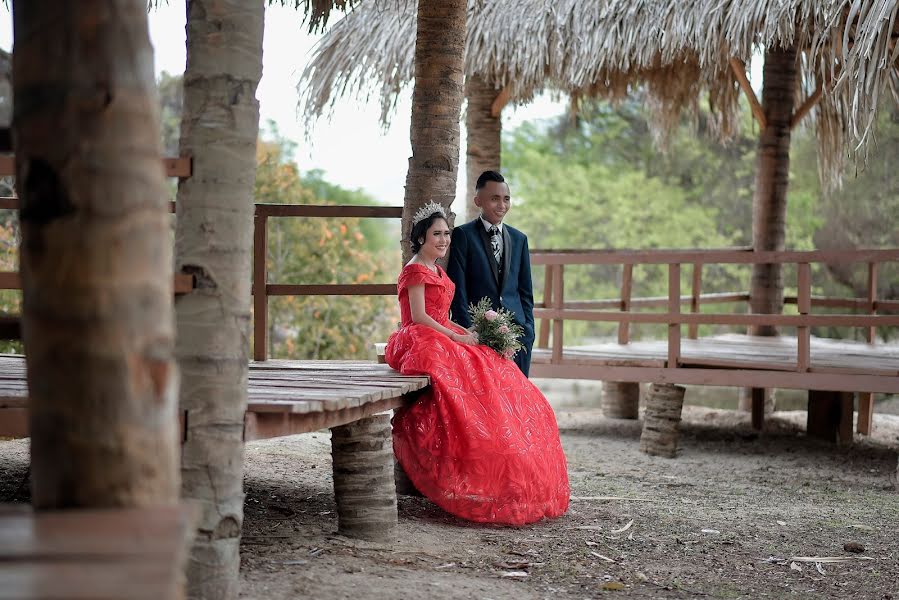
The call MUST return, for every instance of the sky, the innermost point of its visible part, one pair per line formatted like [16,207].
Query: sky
[352,149]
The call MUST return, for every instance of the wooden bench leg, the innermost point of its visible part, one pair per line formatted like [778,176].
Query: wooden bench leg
[620,400]
[362,453]
[865,413]
[661,422]
[759,397]
[830,415]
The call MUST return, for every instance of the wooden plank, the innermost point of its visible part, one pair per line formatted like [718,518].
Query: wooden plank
[758,112]
[865,413]
[144,532]
[724,256]
[181,166]
[329,210]
[720,377]
[259,426]
[654,301]
[331,289]
[741,319]
[627,278]
[260,290]
[13,422]
[181,284]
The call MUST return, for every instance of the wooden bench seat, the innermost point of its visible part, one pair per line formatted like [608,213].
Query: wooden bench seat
[103,554]
[285,397]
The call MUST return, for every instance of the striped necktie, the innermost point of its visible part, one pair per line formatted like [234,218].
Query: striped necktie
[494,243]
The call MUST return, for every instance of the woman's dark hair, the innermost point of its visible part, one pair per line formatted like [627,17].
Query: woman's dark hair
[421,228]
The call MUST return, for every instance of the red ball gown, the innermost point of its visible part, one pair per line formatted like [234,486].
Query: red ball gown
[482,442]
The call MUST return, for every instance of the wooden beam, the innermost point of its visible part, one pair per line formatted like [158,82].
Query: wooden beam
[181,166]
[500,102]
[758,112]
[806,106]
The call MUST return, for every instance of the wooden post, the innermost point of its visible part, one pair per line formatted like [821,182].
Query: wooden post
[804,304]
[693,328]
[260,280]
[620,400]
[674,310]
[661,422]
[830,415]
[364,487]
[627,278]
[543,340]
[558,303]
[871,332]
[866,399]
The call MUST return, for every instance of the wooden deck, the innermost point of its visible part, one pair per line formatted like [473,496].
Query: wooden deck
[734,359]
[285,397]
[101,554]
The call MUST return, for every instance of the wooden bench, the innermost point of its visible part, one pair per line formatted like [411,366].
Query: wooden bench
[102,554]
[351,398]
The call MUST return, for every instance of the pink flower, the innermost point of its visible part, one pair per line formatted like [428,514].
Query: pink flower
[508,354]
[491,315]
[504,329]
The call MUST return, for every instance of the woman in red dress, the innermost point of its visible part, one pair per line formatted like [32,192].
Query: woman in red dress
[482,443]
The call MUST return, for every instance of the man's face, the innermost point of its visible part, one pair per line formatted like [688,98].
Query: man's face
[494,201]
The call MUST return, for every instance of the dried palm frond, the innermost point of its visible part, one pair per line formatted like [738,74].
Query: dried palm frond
[676,50]
[316,11]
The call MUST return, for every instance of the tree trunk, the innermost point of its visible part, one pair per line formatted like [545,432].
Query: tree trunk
[95,256]
[484,131]
[436,107]
[772,176]
[214,242]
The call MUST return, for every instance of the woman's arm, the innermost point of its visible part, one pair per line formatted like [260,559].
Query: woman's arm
[420,317]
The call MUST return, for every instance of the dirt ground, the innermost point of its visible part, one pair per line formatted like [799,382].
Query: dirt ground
[730,517]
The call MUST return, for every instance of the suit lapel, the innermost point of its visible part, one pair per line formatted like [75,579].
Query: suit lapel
[507,251]
[488,249]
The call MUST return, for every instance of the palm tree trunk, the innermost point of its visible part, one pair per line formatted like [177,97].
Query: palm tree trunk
[772,177]
[95,256]
[214,241]
[484,132]
[436,107]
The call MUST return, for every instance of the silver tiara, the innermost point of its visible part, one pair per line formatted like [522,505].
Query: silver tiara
[426,211]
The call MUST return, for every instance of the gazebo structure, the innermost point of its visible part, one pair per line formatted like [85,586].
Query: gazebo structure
[104,389]
[824,61]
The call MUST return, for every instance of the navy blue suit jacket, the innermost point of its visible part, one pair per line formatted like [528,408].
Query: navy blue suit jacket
[473,270]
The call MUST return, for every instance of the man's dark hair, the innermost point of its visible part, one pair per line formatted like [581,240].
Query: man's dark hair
[488,176]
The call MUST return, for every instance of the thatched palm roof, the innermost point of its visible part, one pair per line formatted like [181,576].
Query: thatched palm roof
[316,11]
[676,49]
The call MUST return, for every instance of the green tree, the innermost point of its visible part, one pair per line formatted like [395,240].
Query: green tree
[321,251]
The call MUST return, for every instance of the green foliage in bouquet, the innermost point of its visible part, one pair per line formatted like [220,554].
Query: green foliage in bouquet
[496,329]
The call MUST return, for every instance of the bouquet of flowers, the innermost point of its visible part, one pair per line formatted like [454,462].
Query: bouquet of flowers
[495,328]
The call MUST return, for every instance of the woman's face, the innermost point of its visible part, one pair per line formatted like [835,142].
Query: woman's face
[436,241]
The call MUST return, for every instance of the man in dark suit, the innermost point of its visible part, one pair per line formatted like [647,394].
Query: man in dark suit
[490,259]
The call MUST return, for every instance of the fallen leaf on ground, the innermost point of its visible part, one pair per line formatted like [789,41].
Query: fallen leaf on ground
[600,556]
[613,586]
[710,531]
[515,574]
[625,528]
[795,566]
[781,522]
[820,568]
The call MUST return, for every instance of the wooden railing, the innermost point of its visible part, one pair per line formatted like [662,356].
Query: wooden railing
[260,274]
[556,310]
